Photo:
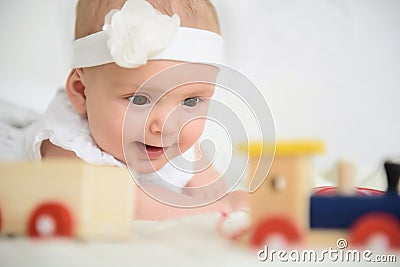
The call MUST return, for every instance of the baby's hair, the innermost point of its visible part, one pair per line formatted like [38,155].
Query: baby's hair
[193,13]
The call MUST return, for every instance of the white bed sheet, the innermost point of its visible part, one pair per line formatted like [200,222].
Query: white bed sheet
[189,241]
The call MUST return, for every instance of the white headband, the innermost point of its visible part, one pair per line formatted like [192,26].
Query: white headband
[138,33]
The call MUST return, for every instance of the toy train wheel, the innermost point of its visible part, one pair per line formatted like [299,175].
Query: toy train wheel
[277,226]
[376,224]
[50,219]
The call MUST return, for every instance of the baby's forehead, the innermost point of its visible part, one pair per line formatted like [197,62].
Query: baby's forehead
[178,75]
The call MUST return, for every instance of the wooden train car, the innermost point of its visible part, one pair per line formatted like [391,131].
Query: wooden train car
[286,205]
[65,198]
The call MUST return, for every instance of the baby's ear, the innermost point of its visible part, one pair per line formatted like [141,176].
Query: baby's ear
[75,90]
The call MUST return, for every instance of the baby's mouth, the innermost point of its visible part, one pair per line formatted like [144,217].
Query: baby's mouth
[152,152]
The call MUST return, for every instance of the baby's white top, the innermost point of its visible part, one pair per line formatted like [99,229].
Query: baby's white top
[65,128]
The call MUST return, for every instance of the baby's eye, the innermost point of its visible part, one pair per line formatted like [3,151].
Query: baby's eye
[191,101]
[139,100]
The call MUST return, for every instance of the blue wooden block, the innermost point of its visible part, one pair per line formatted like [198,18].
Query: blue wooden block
[342,211]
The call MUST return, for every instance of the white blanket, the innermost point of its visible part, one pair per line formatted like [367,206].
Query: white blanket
[189,241]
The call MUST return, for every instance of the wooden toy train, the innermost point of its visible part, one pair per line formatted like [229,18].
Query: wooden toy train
[65,198]
[285,205]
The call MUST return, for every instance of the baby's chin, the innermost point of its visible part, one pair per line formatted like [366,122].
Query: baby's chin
[146,166]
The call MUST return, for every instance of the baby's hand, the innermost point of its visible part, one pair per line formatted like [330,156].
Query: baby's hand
[147,208]
[209,192]
[237,200]
[233,201]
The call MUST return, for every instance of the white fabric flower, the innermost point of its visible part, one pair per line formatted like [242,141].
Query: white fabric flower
[138,32]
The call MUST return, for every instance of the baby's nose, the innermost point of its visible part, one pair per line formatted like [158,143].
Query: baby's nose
[163,120]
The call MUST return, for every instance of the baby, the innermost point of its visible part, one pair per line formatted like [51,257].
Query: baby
[132,100]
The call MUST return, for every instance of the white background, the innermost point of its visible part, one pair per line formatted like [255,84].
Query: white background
[330,69]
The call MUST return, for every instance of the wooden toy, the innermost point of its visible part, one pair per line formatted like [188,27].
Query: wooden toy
[284,204]
[65,198]
[346,174]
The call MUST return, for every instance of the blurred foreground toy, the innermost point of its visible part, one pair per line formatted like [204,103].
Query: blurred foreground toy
[65,198]
[283,205]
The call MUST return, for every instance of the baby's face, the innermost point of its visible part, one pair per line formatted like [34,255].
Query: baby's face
[150,120]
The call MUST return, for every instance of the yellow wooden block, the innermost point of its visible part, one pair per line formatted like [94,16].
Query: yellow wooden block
[283,148]
[286,187]
[99,198]
[284,192]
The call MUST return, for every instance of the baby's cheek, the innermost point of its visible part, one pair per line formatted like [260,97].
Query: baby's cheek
[107,133]
[190,134]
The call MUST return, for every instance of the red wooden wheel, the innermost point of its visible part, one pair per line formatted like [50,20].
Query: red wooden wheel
[277,225]
[376,223]
[50,219]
